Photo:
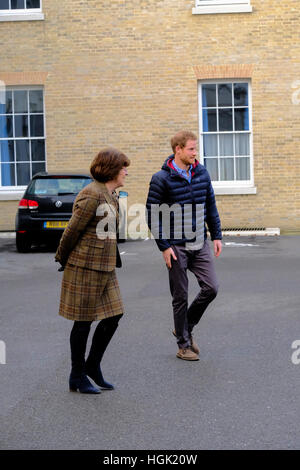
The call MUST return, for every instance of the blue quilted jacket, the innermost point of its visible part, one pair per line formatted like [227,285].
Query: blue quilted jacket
[168,187]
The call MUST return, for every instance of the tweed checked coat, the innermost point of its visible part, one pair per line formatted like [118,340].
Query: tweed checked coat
[88,252]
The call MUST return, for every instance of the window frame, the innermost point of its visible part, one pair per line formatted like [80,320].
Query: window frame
[15,190]
[236,186]
[22,14]
[221,6]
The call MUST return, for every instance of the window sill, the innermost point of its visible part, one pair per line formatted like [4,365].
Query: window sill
[11,195]
[219,191]
[22,16]
[214,9]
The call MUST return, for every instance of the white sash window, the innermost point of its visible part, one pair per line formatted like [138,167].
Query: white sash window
[225,125]
[22,136]
[21,10]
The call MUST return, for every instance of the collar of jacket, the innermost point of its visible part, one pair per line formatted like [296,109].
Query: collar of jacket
[110,198]
[168,165]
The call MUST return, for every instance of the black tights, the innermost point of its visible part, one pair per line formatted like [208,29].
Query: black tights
[101,338]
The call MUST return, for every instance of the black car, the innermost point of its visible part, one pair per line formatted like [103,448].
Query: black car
[46,207]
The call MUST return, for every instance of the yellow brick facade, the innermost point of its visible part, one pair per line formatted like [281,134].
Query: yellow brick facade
[125,74]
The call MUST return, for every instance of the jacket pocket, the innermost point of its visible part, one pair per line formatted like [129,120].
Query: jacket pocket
[91,243]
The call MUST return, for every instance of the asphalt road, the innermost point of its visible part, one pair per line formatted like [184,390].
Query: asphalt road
[242,394]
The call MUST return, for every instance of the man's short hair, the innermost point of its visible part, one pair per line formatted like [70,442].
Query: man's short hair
[107,164]
[181,139]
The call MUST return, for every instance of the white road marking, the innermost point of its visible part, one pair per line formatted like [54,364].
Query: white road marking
[239,244]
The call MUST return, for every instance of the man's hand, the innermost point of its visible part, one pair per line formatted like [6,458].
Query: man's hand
[217,247]
[168,254]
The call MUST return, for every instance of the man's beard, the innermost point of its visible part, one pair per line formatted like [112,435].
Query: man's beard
[187,161]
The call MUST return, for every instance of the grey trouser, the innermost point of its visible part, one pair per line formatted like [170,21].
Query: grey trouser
[201,263]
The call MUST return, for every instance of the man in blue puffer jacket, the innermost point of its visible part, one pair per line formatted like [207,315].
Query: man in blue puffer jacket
[180,203]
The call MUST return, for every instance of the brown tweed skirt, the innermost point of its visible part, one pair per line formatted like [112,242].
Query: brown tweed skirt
[88,295]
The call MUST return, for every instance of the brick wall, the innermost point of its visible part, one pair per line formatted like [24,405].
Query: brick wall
[125,74]
[8,211]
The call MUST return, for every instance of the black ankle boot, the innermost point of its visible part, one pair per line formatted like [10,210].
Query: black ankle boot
[82,384]
[95,374]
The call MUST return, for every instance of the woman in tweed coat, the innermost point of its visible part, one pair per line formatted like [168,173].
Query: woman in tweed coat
[88,254]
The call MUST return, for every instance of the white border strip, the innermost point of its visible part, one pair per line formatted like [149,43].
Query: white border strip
[267,232]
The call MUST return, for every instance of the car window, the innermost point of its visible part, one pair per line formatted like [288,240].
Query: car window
[57,186]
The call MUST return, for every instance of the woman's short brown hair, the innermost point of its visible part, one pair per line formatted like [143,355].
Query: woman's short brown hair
[107,164]
[181,139]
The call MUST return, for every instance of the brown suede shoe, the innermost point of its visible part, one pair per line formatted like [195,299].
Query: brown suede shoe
[194,346]
[187,355]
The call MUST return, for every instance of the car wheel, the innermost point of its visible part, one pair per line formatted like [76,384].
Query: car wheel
[23,242]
